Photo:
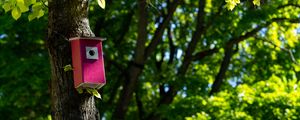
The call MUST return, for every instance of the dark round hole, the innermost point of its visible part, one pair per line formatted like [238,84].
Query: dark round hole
[92,52]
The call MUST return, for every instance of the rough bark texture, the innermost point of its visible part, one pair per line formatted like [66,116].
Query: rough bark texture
[67,18]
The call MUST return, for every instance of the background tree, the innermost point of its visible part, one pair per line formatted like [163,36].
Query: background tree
[171,59]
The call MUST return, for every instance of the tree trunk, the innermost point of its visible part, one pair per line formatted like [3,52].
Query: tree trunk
[67,18]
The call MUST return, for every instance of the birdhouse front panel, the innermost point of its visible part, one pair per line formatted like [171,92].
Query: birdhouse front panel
[88,62]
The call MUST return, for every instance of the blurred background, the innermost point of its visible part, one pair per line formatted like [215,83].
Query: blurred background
[225,59]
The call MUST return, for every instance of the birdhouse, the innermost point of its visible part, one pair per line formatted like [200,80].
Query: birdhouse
[88,62]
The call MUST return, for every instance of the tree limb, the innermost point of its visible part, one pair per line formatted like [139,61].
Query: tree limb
[195,38]
[283,49]
[258,28]
[160,30]
[167,98]
[224,66]
[172,46]
[142,32]
[200,55]
[139,105]
[131,82]
[229,52]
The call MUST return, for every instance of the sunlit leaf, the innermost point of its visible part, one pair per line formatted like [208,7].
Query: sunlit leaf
[68,68]
[31,17]
[101,3]
[94,92]
[256,2]
[230,4]
[16,13]
[22,6]
[6,6]
[41,13]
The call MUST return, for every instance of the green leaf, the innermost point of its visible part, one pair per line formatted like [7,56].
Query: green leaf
[33,1]
[296,67]
[16,13]
[101,3]
[79,90]
[256,2]
[37,6]
[89,90]
[21,5]
[68,68]
[230,4]
[29,2]
[23,8]
[41,13]
[31,17]
[7,7]
[94,92]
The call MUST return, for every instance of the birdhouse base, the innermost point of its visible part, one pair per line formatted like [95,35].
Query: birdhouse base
[90,85]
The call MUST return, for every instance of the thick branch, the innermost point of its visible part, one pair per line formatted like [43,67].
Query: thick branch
[202,54]
[130,83]
[224,66]
[142,32]
[195,38]
[172,46]
[160,30]
[169,95]
[139,105]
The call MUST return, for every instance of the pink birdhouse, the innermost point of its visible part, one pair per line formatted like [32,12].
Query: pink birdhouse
[88,62]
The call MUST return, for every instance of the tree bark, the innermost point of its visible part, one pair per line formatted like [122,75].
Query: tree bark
[67,18]
[224,66]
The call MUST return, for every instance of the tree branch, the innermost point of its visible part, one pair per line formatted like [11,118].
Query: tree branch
[142,32]
[139,105]
[160,30]
[195,38]
[229,51]
[172,46]
[200,29]
[283,49]
[200,55]
[131,82]
[257,29]
[224,66]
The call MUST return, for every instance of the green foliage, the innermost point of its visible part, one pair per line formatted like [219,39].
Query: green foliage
[25,70]
[260,83]
[33,8]
[68,68]
[275,98]
[91,91]
[94,92]
[230,4]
